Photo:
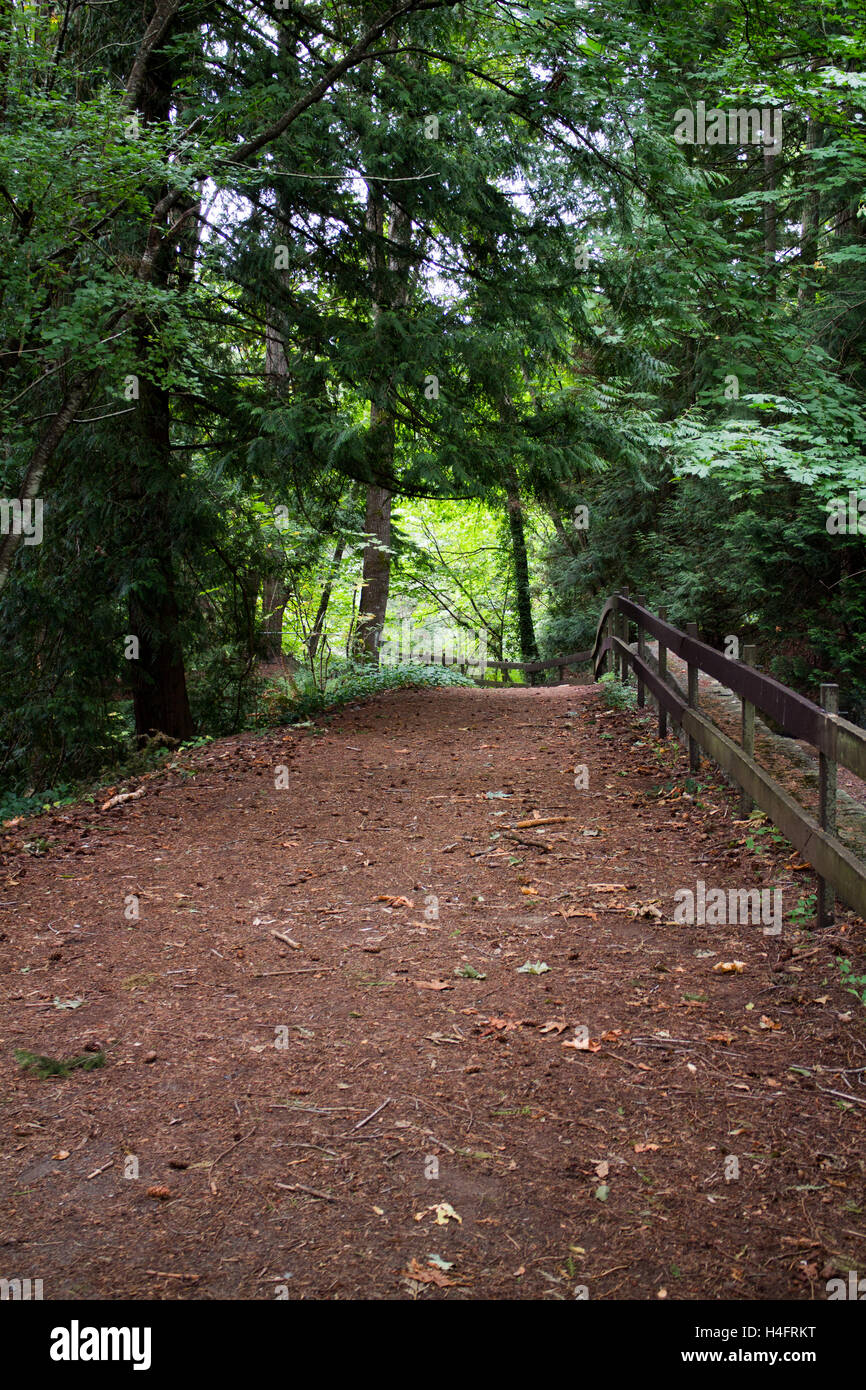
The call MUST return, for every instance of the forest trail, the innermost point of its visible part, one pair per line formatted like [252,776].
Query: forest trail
[422,1132]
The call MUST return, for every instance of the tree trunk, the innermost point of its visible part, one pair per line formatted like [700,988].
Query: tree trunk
[770,214]
[522,597]
[383,429]
[159,693]
[376,578]
[274,597]
[158,679]
[809,242]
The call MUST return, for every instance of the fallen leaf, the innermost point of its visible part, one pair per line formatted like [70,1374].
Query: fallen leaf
[556,1025]
[768,1023]
[533,967]
[428,1274]
[432,984]
[608,887]
[444,1213]
[602,1169]
[646,1148]
[602,1192]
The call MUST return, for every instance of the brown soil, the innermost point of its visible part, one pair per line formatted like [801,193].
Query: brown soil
[309,1170]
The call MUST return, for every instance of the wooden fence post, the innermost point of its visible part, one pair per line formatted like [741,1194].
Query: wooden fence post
[694,671]
[623,636]
[749,658]
[641,651]
[827,807]
[663,672]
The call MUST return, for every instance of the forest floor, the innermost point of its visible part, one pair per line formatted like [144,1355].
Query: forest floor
[327,1074]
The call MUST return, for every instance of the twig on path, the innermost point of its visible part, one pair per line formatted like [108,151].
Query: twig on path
[856,1100]
[299,1187]
[530,844]
[281,936]
[212,1184]
[295,1144]
[542,820]
[372,1114]
[307,970]
[625,1061]
[97,1171]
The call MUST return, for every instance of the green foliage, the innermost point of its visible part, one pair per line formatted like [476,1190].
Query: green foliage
[670,335]
[43,1067]
[855,984]
[283,703]
[804,909]
[616,694]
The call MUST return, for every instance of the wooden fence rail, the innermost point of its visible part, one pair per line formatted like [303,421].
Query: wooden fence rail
[836,740]
[562,663]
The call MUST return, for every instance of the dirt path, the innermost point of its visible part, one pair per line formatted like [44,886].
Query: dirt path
[319,1119]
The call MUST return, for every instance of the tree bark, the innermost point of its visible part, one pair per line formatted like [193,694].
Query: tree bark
[376,577]
[523,596]
[809,242]
[274,597]
[159,693]
[770,213]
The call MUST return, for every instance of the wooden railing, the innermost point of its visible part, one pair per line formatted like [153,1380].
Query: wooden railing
[836,740]
[561,663]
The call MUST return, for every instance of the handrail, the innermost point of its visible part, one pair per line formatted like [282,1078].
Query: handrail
[798,716]
[574,659]
[836,739]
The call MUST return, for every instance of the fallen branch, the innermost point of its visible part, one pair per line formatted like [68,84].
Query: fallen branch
[121,797]
[843,1095]
[542,820]
[373,1114]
